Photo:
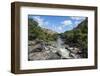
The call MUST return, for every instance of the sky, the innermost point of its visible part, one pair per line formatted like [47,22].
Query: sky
[58,24]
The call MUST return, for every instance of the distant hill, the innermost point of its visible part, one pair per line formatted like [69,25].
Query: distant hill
[37,32]
[82,25]
[49,31]
[78,37]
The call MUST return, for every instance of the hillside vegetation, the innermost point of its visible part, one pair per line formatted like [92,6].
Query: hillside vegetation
[43,43]
[36,32]
[78,37]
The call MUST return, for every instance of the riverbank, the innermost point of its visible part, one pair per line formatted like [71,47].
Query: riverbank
[40,50]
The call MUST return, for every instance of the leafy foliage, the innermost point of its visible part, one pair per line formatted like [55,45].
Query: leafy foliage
[74,38]
[36,32]
[78,37]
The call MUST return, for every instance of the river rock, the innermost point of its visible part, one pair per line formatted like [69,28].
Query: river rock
[43,56]
[64,53]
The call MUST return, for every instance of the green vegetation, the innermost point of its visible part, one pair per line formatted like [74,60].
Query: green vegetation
[36,32]
[74,38]
[78,37]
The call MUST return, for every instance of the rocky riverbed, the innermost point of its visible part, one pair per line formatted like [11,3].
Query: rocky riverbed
[40,50]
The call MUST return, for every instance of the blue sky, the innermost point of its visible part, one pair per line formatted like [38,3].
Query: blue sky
[58,24]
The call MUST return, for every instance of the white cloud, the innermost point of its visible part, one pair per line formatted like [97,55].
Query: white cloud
[77,18]
[77,22]
[39,20]
[60,29]
[46,23]
[57,28]
[66,22]
[54,27]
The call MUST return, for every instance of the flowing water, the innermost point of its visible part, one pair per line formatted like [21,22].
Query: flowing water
[52,50]
[59,43]
[61,49]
